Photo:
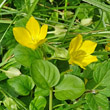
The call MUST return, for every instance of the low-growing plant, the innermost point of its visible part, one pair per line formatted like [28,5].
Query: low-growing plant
[63,64]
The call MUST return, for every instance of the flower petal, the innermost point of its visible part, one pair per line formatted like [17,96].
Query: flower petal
[89,59]
[40,42]
[33,27]
[75,43]
[43,32]
[77,58]
[77,62]
[82,59]
[88,46]
[23,37]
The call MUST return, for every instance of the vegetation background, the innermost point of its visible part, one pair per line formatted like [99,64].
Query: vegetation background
[65,20]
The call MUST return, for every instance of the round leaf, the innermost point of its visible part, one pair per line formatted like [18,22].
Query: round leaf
[45,74]
[70,87]
[38,103]
[26,55]
[22,84]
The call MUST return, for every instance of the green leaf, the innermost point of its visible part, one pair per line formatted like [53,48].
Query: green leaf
[44,73]
[10,104]
[90,100]
[6,87]
[60,53]
[22,84]
[2,107]
[19,3]
[41,92]
[70,87]
[101,74]
[2,76]
[105,91]
[75,70]
[7,55]
[98,4]
[8,41]
[90,84]
[102,102]
[97,102]
[26,55]
[38,103]
[88,72]
[21,22]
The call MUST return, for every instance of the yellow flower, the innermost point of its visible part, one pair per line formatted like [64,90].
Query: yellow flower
[31,36]
[107,47]
[80,52]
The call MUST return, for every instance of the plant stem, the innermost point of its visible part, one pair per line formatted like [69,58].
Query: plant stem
[2,3]
[50,99]
[65,11]
[3,92]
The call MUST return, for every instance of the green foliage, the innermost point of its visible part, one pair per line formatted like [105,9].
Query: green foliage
[25,55]
[10,104]
[8,54]
[41,92]
[101,74]
[22,22]
[19,4]
[98,4]
[2,76]
[45,74]
[97,101]
[38,103]
[9,41]
[70,87]
[46,80]
[21,84]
